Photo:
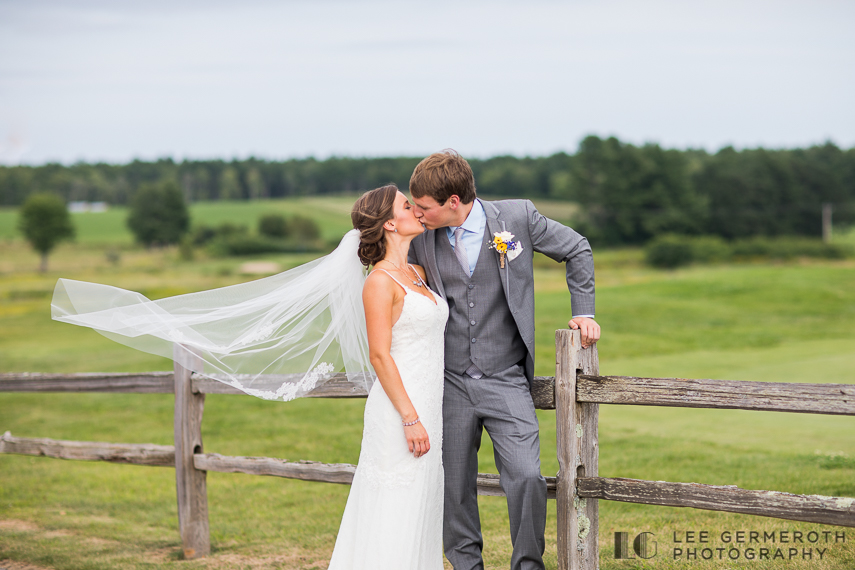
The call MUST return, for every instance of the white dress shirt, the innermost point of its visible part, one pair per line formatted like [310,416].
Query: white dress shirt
[473,233]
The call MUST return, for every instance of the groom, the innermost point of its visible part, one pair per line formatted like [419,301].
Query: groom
[489,345]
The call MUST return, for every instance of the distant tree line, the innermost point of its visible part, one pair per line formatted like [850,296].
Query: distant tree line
[627,193]
[630,194]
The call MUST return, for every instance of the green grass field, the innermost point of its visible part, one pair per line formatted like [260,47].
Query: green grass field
[784,322]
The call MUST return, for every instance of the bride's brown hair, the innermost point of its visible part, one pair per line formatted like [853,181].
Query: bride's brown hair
[371,211]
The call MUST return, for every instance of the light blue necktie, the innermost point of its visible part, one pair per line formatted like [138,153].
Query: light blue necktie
[460,250]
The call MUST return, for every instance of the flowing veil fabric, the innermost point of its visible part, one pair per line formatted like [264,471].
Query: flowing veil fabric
[276,338]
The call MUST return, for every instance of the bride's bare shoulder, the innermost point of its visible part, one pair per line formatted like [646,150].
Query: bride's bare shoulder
[378,281]
[380,292]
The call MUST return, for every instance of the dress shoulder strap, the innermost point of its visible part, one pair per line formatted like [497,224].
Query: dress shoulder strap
[416,273]
[393,279]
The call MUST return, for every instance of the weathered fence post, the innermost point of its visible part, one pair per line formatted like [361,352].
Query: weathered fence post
[190,483]
[578,449]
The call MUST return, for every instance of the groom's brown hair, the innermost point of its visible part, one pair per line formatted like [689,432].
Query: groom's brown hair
[442,175]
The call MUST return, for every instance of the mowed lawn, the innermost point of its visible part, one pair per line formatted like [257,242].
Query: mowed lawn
[792,322]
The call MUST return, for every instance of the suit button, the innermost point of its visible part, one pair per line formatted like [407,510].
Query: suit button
[471,304]
[472,323]
[471,286]
[473,340]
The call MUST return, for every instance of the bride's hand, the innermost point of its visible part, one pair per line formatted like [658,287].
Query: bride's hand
[417,439]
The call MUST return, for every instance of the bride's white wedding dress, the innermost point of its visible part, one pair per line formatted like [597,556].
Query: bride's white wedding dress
[393,517]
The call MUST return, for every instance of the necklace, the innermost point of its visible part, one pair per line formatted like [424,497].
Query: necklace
[405,274]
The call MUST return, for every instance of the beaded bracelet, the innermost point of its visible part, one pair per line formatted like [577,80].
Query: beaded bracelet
[412,423]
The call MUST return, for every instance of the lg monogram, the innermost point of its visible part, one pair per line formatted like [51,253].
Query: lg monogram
[640,546]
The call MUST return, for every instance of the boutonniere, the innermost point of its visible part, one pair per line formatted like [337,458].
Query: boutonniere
[504,243]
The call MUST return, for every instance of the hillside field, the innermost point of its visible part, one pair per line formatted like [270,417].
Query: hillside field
[781,322]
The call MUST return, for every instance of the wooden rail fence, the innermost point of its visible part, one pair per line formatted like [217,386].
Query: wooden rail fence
[575,393]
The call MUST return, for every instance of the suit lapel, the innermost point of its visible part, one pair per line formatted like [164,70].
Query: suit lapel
[494,225]
[513,276]
[432,268]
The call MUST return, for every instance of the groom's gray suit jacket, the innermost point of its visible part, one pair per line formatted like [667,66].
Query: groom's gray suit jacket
[534,232]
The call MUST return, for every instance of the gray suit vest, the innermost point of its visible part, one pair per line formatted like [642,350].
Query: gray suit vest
[481,329]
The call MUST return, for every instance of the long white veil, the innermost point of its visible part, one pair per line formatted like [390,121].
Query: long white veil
[276,338]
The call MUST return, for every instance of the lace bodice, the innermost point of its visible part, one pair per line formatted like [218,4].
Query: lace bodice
[418,349]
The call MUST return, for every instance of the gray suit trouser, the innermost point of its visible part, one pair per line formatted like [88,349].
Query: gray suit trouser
[502,405]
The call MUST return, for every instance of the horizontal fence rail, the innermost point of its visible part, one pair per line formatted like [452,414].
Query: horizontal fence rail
[542,389]
[130,453]
[144,383]
[832,399]
[164,456]
[838,511]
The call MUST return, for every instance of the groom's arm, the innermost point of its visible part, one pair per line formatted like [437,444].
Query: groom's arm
[564,244]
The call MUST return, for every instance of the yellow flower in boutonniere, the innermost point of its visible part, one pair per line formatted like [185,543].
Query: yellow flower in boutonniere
[503,242]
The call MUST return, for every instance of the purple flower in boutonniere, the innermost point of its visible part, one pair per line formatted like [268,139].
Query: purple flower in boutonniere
[503,242]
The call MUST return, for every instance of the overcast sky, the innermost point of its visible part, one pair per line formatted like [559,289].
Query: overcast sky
[113,81]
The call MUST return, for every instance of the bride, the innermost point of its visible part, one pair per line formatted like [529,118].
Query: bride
[393,517]
[282,336]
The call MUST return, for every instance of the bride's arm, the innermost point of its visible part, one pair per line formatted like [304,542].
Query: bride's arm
[380,297]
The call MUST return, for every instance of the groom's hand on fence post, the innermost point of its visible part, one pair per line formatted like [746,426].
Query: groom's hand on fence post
[589,328]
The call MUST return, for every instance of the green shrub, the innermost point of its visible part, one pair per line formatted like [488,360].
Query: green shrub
[709,249]
[276,234]
[304,229]
[248,244]
[669,251]
[753,247]
[205,234]
[788,248]
[274,225]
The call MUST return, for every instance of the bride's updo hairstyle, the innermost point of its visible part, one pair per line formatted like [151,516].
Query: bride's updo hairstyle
[371,211]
